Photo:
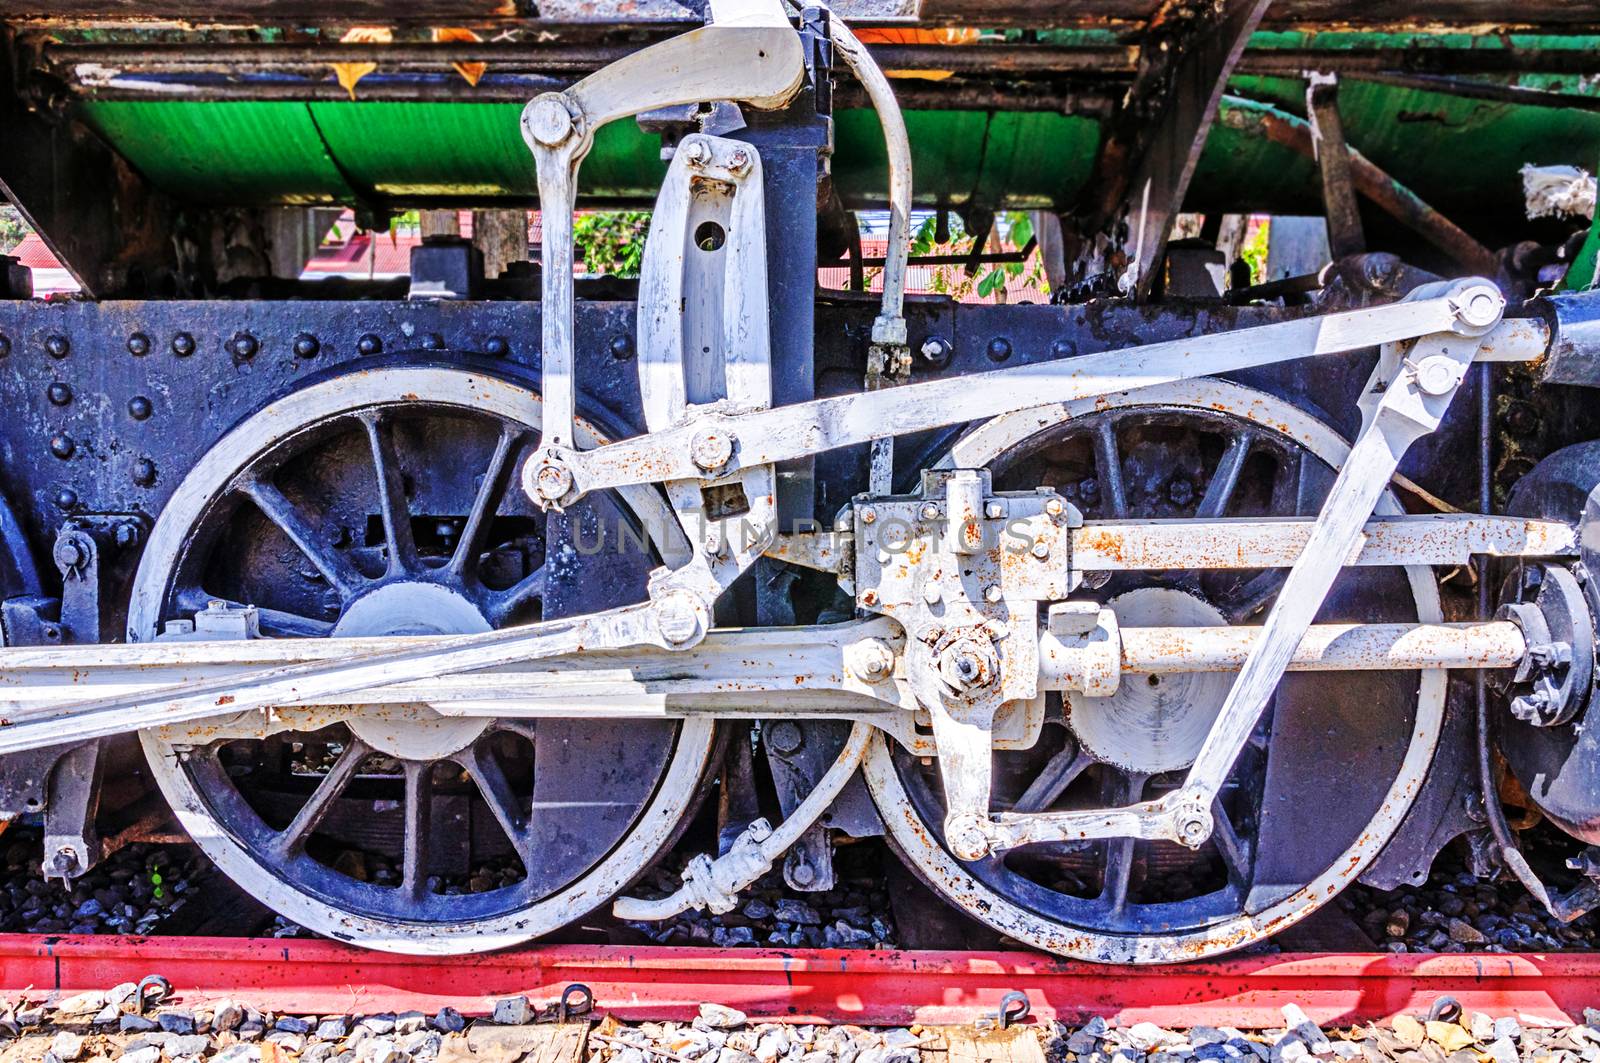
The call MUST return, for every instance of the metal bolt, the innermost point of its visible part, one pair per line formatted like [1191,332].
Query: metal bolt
[696,153]
[1181,492]
[929,511]
[994,509]
[711,450]
[870,659]
[622,347]
[802,874]
[144,472]
[1063,349]
[999,349]
[966,838]
[1041,549]
[433,342]
[783,736]
[58,346]
[1088,487]
[1053,507]
[868,515]
[932,594]
[140,408]
[62,446]
[69,552]
[5,346]
[552,481]
[183,345]
[138,345]
[937,350]
[244,346]
[66,498]
[497,347]
[369,344]
[306,345]
[992,593]
[547,120]
[60,394]
[1194,825]
[127,534]
[1436,375]
[678,618]
[739,161]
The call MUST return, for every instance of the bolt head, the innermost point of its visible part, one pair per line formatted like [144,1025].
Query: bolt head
[966,838]
[552,481]
[711,450]
[696,153]
[622,347]
[929,511]
[936,350]
[868,515]
[932,594]
[678,618]
[992,593]
[144,472]
[1053,507]
[871,660]
[1041,549]
[994,510]
[5,346]
[999,349]
[739,161]
[548,121]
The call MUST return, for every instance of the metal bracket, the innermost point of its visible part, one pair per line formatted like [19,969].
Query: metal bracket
[71,844]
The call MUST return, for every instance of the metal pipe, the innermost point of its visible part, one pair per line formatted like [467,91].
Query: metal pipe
[1066,661]
[1388,194]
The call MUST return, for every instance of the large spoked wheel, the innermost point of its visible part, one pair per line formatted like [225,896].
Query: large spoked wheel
[1322,784]
[384,502]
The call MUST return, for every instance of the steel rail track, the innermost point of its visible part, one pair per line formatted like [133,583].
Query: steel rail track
[812,985]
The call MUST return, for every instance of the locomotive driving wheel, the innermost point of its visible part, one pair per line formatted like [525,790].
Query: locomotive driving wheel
[1322,783]
[384,502]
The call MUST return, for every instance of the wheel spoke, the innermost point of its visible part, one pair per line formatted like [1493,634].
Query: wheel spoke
[1229,846]
[504,603]
[1225,479]
[418,819]
[396,510]
[490,493]
[1053,780]
[1120,851]
[1108,460]
[276,507]
[293,837]
[275,622]
[491,780]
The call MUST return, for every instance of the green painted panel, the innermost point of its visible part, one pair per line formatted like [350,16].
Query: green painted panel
[230,153]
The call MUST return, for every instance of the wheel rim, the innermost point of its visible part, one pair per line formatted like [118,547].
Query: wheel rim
[474,834]
[1104,917]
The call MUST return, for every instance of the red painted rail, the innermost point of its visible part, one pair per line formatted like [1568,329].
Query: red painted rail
[868,988]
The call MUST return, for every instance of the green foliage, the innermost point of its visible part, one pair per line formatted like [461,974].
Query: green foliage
[12,228]
[612,241]
[1254,252]
[956,282]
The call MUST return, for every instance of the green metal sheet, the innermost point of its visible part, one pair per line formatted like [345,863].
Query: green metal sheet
[224,153]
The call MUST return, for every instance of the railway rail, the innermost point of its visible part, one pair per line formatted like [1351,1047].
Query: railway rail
[867,988]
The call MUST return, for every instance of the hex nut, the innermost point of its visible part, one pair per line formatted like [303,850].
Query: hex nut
[871,660]
[711,450]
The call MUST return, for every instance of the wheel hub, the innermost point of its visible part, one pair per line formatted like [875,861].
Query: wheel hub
[1153,723]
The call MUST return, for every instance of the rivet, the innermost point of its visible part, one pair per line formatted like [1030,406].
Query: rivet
[144,472]
[622,347]
[62,446]
[433,342]
[59,393]
[999,349]
[66,498]
[138,345]
[5,346]
[1063,349]
[139,408]
[497,347]
[243,345]
[58,346]
[306,346]
[183,345]
[369,344]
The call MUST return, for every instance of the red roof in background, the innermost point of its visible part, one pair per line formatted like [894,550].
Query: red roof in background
[33,254]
